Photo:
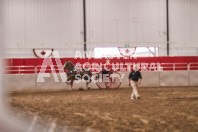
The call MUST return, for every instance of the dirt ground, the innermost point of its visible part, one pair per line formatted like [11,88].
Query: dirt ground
[172,109]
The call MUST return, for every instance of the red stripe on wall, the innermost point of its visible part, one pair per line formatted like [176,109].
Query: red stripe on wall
[38,61]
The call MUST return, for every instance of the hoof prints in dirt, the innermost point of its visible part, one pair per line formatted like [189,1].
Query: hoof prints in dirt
[159,109]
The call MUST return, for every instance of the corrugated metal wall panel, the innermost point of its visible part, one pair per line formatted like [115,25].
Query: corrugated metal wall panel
[125,21]
[13,23]
[43,24]
[59,23]
[54,23]
[183,26]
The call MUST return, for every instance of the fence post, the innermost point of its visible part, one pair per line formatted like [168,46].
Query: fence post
[35,70]
[174,66]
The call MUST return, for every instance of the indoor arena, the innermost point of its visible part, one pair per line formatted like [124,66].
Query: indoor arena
[99,65]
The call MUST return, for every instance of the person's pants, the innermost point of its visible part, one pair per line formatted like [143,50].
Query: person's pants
[105,72]
[134,85]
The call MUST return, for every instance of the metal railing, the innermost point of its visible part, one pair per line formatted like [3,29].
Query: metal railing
[59,68]
[19,69]
[193,66]
[48,68]
[175,66]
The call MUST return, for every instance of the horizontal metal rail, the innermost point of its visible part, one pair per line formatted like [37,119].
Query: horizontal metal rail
[121,67]
[19,69]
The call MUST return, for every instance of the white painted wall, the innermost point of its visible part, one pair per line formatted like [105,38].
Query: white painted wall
[58,24]
[42,24]
[183,26]
[121,21]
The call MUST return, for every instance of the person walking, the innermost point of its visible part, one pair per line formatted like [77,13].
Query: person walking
[135,78]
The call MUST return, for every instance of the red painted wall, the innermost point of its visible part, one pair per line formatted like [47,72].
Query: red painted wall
[38,61]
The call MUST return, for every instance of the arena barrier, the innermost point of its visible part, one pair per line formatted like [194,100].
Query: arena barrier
[150,79]
[22,74]
[19,82]
[174,78]
[193,77]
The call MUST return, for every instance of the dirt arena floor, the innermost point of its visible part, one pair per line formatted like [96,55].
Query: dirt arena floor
[173,109]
